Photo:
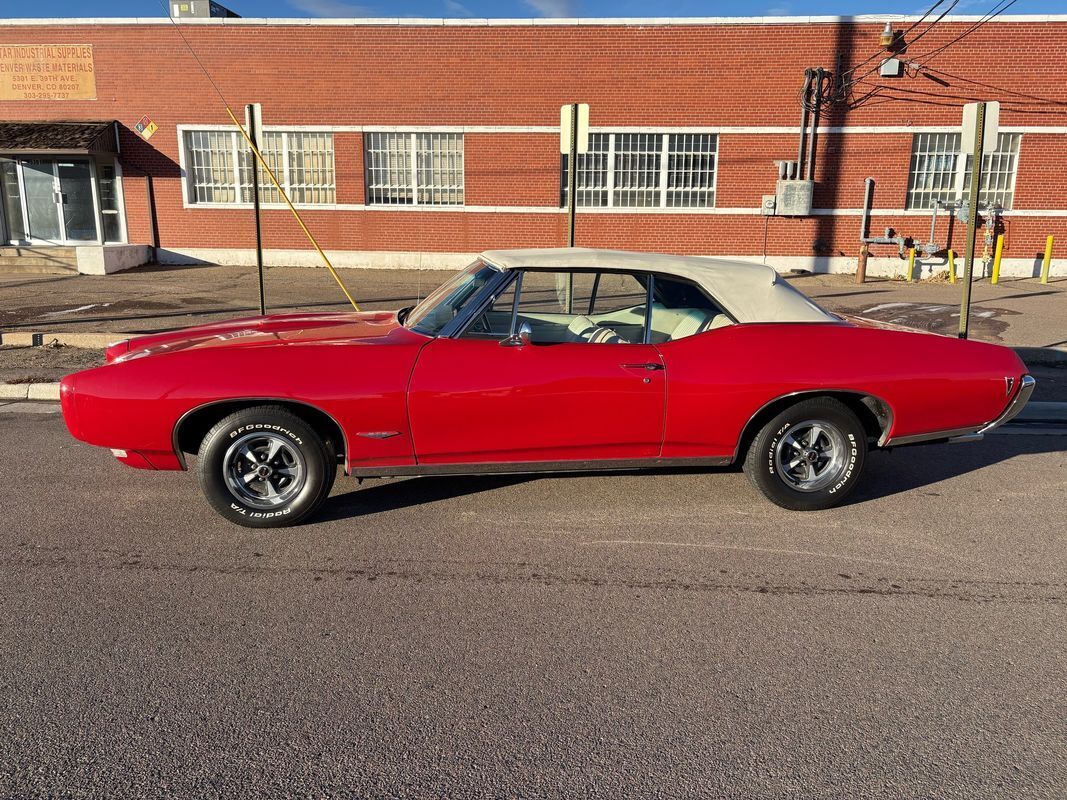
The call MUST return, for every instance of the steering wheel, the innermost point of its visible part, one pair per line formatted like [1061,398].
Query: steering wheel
[481,324]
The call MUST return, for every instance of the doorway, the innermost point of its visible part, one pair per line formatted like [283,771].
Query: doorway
[49,201]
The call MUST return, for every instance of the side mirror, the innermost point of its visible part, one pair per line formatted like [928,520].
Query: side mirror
[519,339]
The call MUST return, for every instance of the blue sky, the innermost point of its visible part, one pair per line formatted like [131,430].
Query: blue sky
[510,8]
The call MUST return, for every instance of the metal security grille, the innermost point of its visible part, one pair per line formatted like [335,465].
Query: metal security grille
[219,167]
[592,177]
[637,173]
[939,173]
[440,168]
[933,169]
[998,172]
[645,170]
[414,168]
[273,149]
[388,165]
[310,177]
[691,170]
[210,166]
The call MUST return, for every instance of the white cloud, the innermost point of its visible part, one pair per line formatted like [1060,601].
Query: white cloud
[457,8]
[553,8]
[331,8]
[779,11]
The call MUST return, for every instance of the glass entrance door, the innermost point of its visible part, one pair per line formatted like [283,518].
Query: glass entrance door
[76,207]
[41,197]
[49,201]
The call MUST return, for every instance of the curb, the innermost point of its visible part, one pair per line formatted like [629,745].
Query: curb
[1045,356]
[88,340]
[29,391]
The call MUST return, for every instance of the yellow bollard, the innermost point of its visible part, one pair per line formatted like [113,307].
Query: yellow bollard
[996,259]
[1047,261]
[911,265]
[951,266]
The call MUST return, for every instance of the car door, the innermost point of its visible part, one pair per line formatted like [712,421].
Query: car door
[483,397]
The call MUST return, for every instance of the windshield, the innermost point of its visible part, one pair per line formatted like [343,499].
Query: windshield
[444,305]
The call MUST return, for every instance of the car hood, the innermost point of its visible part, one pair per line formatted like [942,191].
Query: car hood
[370,327]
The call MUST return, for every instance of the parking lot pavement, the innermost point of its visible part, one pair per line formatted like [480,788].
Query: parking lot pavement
[606,636]
[1015,312]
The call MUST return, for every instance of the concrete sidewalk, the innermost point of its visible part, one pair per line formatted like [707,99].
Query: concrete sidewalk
[1017,312]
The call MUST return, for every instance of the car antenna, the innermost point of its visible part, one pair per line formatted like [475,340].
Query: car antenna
[259,158]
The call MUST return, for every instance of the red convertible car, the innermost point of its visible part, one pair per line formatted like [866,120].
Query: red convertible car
[538,361]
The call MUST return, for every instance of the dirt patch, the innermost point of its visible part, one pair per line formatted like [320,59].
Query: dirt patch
[45,364]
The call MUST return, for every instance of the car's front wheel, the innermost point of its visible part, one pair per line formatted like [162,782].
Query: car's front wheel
[265,467]
[809,456]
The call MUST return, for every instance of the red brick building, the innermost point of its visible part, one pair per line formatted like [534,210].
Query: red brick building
[420,142]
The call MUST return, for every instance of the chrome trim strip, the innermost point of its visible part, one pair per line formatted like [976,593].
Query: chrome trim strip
[378,434]
[532,467]
[932,436]
[177,425]
[1022,397]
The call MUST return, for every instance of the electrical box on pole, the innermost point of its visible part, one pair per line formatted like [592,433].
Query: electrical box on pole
[980,126]
[573,140]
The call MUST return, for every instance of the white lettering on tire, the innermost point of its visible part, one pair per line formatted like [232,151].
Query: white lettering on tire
[260,426]
[259,514]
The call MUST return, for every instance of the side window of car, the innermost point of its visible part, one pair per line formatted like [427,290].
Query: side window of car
[681,309]
[555,306]
[555,292]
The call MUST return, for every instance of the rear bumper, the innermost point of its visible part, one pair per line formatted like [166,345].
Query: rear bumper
[974,434]
[1022,397]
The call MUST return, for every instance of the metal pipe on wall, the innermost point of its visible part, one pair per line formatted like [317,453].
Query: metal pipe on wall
[804,111]
[816,93]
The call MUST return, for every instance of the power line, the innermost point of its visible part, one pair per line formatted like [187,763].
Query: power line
[1037,98]
[997,10]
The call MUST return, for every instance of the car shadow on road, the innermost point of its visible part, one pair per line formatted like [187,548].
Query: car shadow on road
[901,470]
[904,469]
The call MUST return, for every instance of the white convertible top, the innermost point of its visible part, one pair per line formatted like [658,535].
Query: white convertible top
[748,292]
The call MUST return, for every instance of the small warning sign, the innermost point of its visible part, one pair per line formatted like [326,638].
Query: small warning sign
[146,127]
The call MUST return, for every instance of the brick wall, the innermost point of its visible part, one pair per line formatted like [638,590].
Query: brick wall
[709,76]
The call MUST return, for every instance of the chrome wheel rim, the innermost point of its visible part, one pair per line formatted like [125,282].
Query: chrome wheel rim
[811,455]
[264,470]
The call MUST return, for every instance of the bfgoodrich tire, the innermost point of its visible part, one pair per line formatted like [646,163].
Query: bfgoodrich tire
[265,467]
[810,456]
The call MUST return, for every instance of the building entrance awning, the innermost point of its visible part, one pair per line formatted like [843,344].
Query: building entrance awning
[83,138]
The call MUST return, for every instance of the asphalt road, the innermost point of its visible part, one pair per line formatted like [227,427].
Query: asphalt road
[666,635]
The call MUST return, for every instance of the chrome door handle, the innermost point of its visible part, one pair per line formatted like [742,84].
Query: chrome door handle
[652,365]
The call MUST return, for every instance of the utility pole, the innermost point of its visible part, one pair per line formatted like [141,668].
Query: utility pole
[984,117]
[254,121]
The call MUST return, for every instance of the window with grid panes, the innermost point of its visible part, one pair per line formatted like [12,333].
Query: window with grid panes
[645,170]
[938,172]
[219,167]
[414,168]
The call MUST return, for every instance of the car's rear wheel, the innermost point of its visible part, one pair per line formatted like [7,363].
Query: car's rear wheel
[809,456]
[265,467]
